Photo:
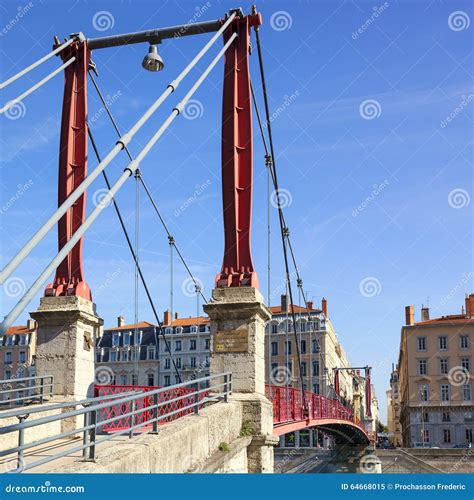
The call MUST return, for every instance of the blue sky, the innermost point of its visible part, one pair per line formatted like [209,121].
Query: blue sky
[379,182]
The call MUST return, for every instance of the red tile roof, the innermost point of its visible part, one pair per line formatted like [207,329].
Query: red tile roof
[454,319]
[18,330]
[296,309]
[140,324]
[196,320]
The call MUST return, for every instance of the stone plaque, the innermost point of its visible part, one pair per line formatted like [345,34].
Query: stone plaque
[232,341]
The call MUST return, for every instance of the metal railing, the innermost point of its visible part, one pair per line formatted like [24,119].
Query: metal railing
[25,390]
[138,409]
[288,406]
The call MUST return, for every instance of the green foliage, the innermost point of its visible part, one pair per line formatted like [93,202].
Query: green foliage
[247,429]
[224,446]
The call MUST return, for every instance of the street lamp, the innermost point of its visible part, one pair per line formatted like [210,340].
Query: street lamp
[153,61]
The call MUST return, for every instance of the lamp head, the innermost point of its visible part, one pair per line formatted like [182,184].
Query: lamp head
[153,61]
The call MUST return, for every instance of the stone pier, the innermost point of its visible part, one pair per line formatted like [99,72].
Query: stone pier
[67,328]
[238,316]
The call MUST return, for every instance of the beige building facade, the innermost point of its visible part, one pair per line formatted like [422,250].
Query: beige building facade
[435,380]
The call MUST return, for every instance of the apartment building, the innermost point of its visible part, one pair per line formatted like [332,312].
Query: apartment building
[435,380]
[393,409]
[137,354]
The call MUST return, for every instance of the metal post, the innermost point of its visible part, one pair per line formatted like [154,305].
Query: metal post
[196,399]
[92,434]
[226,381]
[132,418]
[21,441]
[155,414]
[85,436]
[41,389]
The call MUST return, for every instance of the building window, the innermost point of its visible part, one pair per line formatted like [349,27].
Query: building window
[126,338]
[9,341]
[465,364]
[22,340]
[274,348]
[178,362]
[464,341]
[274,367]
[8,374]
[193,361]
[444,390]
[446,417]
[422,367]
[315,368]
[115,339]
[134,379]
[288,347]
[194,329]
[425,417]
[168,330]
[315,347]
[447,435]
[424,392]
[151,351]
[425,435]
[98,356]
[302,326]
[303,368]
[179,329]
[303,347]
[167,380]
[113,356]
[151,380]
[469,435]
[422,343]
[208,344]
[289,371]
[192,346]
[178,345]
[8,358]
[443,366]
[22,357]
[466,392]
[316,388]
[167,363]
[123,379]
[134,353]
[124,355]
[274,328]
[443,343]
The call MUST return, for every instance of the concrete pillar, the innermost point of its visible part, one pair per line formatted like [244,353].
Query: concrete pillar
[67,328]
[238,316]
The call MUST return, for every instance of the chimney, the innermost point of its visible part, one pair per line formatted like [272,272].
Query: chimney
[309,305]
[167,318]
[409,315]
[176,315]
[324,307]
[470,306]
[120,321]
[284,303]
[425,313]
[31,324]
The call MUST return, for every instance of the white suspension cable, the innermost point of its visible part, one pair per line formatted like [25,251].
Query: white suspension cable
[36,64]
[120,144]
[36,86]
[129,170]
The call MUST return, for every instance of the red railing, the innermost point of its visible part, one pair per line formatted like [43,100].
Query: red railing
[288,406]
[145,404]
